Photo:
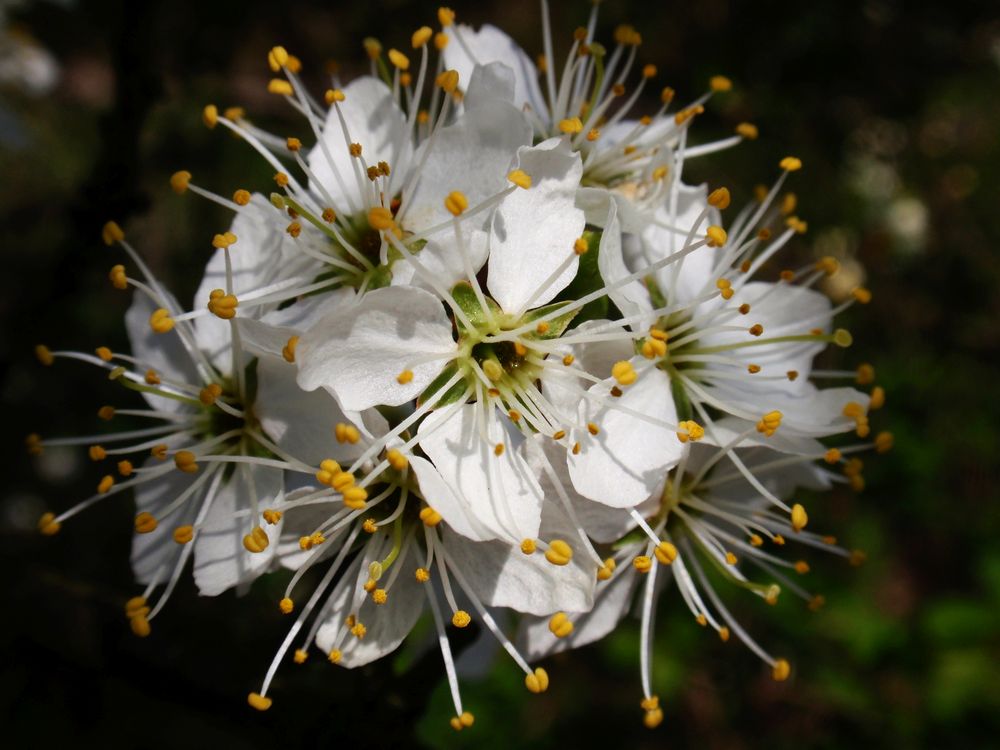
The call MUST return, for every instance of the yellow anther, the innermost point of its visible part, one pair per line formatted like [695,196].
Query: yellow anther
[716,236]
[799,517]
[649,71]
[300,656]
[160,321]
[136,606]
[877,400]
[104,353]
[396,459]
[542,328]
[106,413]
[747,130]
[884,442]
[355,497]
[753,369]
[334,656]
[731,558]
[48,525]
[580,246]
[288,350]
[440,40]
[653,719]
[183,534]
[559,434]
[446,16]
[152,377]
[832,456]
[756,329]
[293,144]
[642,563]
[842,337]
[780,670]
[106,483]
[828,265]
[222,305]
[498,449]
[429,516]
[650,704]
[862,295]
[686,114]
[97,453]
[140,626]
[179,181]
[380,596]
[234,113]
[854,410]
[456,202]
[593,134]
[607,570]
[112,233]
[210,115]
[125,468]
[769,423]
[145,523]
[342,480]
[790,164]
[223,240]
[528,546]
[660,173]
[571,125]
[461,619]
[866,374]
[119,280]
[333,95]
[720,198]
[789,203]
[422,575]
[258,701]
[592,428]
[797,225]
[756,540]
[210,393]
[537,681]
[493,370]
[515,415]
[346,433]
[186,461]
[720,83]
[623,372]
[568,360]
[271,516]
[381,218]
[520,349]
[520,178]
[279,86]
[560,625]
[690,430]
[421,36]
[286,605]
[665,553]
[448,81]
[369,526]
[801,567]
[256,540]
[159,452]
[398,59]
[559,553]
[277,58]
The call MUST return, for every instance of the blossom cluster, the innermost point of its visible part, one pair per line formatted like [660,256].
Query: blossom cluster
[481,355]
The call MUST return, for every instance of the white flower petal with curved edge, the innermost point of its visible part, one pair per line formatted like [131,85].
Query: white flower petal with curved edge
[473,156]
[782,310]
[602,523]
[220,559]
[565,392]
[490,82]
[150,552]
[625,462]
[438,493]
[500,492]
[503,576]
[685,279]
[611,603]
[441,257]
[596,201]
[633,297]
[376,123]
[270,334]
[262,255]
[816,412]
[357,353]
[163,352]
[781,479]
[534,230]
[491,45]
[387,625]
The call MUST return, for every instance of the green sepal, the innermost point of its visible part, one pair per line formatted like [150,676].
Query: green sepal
[465,296]
[588,279]
[452,395]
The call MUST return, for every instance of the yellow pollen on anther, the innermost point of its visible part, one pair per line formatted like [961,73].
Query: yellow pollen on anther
[623,372]
[334,656]
[790,164]
[568,360]
[258,701]
[422,575]
[106,413]
[355,497]
[119,280]
[288,350]
[159,452]
[747,130]
[329,215]
[799,517]
[346,433]
[649,71]
[271,516]
[580,246]
[560,625]
[665,553]
[429,516]
[97,453]
[571,125]
[862,295]
[125,468]
[537,681]
[112,233]
[106,483]
[456,202]
[152,377]
[48,525]
[461,619]
[145,523]
[753,369]
[832,456]
[731,558]
[396,459]
[448,81]
[333,95]
[719,198]
[369,526]
[186,462]
[160,321]
[300,656]
[716,236]
[781,670]
[690,430]
[404,377]
[210,393]
[280,87]
[498,449]
[801,567]
[286,606]
[828,265]
[769,423]
[528,546]
[256,541]
[720,83]
[179,181]
[607,570]
[380,596]
[797,225]
[520,178]
[559,434]
[559,552]
[381,218]
[866,374]
[542,328]
[756,329]
[756,540]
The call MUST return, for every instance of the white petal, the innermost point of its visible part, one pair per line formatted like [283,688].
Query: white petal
[625,462]
[374,121]
[457,513]
[158,548]
[490,45]
[473,156]
[490,82]
[814,412]
[387,624]
[503,576]
[633,297]
[500,492]
[595,201]
[220,559]
[442,259]
[534,230]
[357,353]
[611,604]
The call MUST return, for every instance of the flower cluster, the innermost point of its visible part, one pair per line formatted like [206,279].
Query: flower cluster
[481,355]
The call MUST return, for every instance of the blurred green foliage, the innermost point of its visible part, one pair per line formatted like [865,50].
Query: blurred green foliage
[894,110]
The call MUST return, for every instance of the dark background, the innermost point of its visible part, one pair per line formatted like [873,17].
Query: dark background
[894,109]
